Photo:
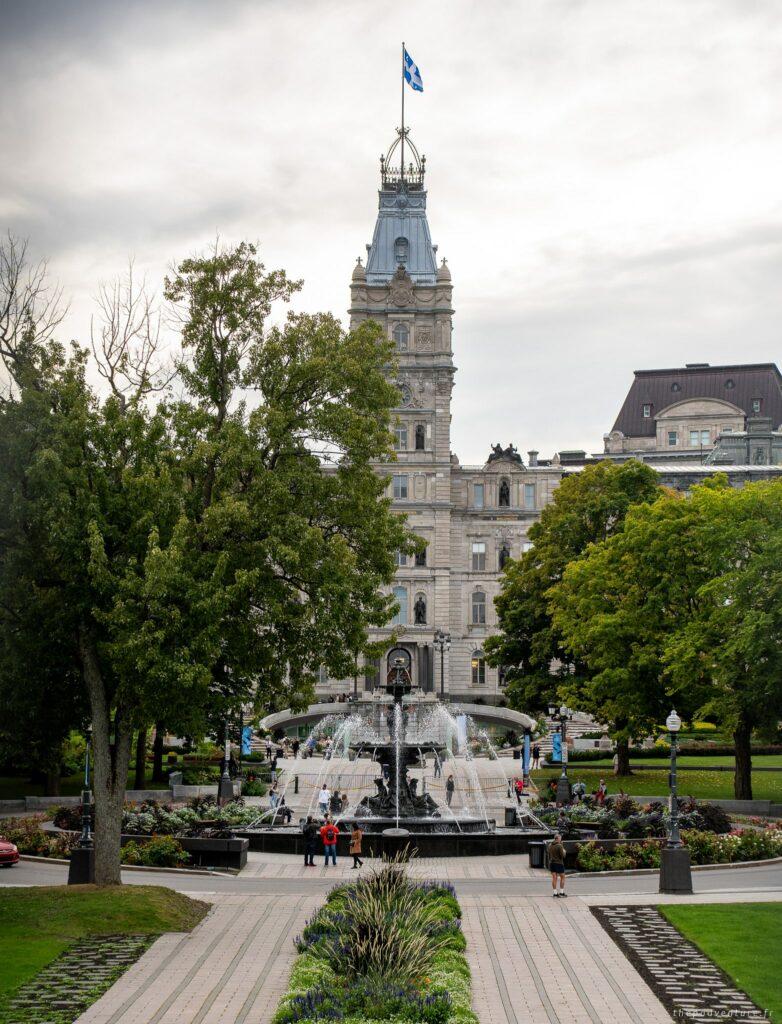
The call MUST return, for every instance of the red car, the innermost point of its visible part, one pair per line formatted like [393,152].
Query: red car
[9,855]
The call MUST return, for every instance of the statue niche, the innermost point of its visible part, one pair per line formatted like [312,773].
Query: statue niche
[419,610]
[504,501]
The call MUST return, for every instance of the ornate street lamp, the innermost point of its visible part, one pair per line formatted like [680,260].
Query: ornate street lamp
[675,873]
[442,642]
[81,867]
[563,715]
[225,792]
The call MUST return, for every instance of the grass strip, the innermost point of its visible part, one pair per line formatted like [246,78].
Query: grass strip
[743,939]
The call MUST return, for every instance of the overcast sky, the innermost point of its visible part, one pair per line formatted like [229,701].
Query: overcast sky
[605,176]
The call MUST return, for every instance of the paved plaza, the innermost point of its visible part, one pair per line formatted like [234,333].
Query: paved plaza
[532,958]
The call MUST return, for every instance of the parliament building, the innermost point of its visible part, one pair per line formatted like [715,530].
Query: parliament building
[473,518]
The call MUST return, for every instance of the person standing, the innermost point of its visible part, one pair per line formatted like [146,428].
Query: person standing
[556,864]
[274,797]
[295,747]
[602,793]
[356,837]
[438,766]
[536,756]
[329,834]
[310,838]
[268,748]
[324,799]
[518,786]
[450,786]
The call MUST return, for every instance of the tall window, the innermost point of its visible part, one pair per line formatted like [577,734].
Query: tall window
[478,666]
[504,501]
[479,555]
[400,558]
[699,437]
[705,437]
[478,608]
[400,596]
[756,404]
[647,411]
[420,558]
[477,495]
[400,250]
[527,545]
[401,336]
[673,437]
[400,437]
[420,437]
[529,495]
[400,485]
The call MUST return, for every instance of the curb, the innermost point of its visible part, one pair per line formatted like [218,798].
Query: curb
[136,867]
[695,867]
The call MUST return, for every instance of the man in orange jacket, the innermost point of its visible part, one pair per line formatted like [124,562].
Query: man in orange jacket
[328,834]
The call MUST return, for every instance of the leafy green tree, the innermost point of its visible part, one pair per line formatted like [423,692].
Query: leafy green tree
[588,507]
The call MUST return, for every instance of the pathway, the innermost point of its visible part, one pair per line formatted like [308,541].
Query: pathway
[234,966]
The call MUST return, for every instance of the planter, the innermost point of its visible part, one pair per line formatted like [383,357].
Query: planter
[212,853]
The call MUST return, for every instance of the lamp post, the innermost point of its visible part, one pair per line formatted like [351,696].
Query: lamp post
[442,642]
[225,792]
[562,716]
[675,873]
[81,867]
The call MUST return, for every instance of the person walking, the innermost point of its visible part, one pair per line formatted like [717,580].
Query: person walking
[518,785]
[295,748]
[355,845]
[556,865]
[274,796]
[450,786]
[268,748]
[602,793]
[324,799]
[536,756]
[438,766]
[310,839]
[329,834]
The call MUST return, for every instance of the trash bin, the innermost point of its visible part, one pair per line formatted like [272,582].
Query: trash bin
[516,754]
[510,817]
[537,855]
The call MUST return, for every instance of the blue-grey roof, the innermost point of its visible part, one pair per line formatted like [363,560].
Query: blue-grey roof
[401,216]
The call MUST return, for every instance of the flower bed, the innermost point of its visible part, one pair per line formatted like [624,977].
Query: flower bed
[201,817]
[382,948]
[30,839]
[705,848]
[625,817]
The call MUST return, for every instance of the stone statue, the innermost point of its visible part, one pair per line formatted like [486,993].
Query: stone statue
[498,452]
[401,287]
[419,610]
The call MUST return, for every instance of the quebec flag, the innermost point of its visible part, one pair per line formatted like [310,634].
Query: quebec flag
[412,74]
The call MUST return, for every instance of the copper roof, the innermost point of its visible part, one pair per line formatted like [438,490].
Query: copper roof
[738,384]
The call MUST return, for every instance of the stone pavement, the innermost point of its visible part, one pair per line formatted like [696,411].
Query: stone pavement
[233,967]
[539,959]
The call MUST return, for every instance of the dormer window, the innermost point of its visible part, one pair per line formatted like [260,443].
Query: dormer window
[647,410]
[756,404]
[401,336]
[401,249]
[730,384]
[676,386]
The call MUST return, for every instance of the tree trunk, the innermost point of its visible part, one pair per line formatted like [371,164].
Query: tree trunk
[158,775]
[140,777]
[52,784]
[742,775]
[622,758]
[110,764]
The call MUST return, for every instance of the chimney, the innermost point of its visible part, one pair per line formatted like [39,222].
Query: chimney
[533,457]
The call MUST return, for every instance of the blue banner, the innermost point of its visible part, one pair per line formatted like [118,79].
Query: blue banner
[247,735]
[556,747]
[525,755]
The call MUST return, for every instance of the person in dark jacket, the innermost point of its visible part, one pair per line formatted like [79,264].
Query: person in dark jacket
[450,786]
[556,864]
[310,840]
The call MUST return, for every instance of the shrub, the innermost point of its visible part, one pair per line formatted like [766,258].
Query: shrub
[253,787]
[160,852]
[714,818]
[623,805]
[591,858]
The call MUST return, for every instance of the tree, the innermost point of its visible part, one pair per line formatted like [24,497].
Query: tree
[615,609]
[729,650]
[587,508]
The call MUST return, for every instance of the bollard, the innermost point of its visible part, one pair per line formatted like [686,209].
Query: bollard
[295,783]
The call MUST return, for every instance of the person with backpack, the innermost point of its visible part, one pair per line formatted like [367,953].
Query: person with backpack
[556,865]
[329,834]
[310,839]
[356,837]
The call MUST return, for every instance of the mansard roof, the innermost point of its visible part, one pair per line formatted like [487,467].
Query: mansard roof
[738,384]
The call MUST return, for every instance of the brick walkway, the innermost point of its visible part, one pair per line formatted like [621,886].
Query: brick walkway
[537,959]
[449,869]
[233,967]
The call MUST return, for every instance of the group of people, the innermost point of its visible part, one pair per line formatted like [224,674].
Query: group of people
[328,802]
[329,833]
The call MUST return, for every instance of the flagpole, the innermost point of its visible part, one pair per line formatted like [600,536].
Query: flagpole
[403,112]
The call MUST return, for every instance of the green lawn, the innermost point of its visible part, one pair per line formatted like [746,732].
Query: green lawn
[14,788]
[704,784]
[38,923]
[688,761]
[743,939]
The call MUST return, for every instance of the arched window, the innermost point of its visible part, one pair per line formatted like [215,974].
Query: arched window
[478,665]
[419,610]
[478,608]
[401,249]
[420,437]
[504,556]
[401,336]
[504,501]
[400,596]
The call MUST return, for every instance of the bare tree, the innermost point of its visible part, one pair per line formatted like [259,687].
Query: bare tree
[30,308]
[126,339]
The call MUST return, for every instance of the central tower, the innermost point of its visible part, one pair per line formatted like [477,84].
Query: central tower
[403,289]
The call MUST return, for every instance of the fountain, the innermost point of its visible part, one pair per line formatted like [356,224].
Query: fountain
[395,728]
